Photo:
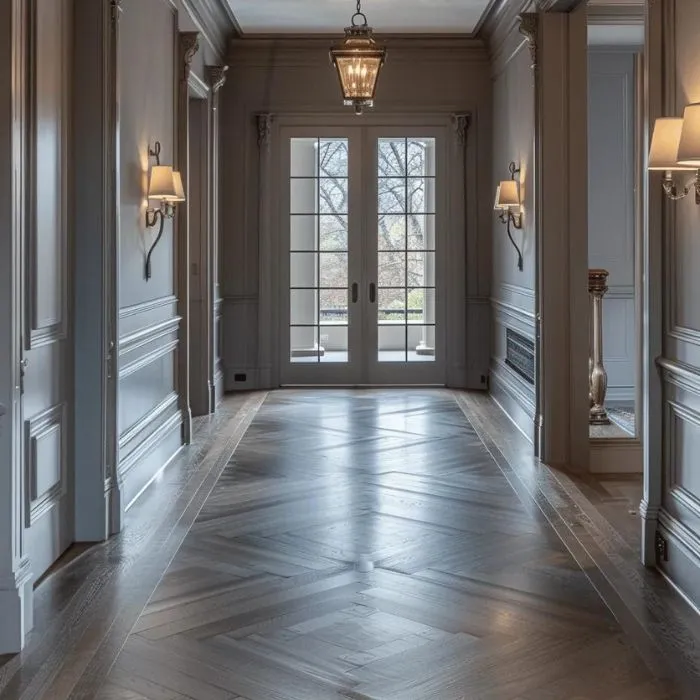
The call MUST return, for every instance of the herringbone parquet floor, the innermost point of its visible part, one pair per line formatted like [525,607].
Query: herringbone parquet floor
[365,545]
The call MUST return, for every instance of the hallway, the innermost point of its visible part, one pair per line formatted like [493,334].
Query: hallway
[367,545]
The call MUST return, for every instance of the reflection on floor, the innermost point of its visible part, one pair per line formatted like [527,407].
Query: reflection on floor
[366,545]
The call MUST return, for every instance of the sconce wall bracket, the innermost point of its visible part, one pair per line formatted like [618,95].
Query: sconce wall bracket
[157,216]
[510,219]
[672,191]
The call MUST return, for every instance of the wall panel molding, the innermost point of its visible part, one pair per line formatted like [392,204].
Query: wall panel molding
[133,459]
[149,334]
[45,437]
[146,306]
[146,422]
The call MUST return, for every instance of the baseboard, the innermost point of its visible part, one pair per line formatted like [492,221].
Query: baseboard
[515,398]
[616,456]
[682,562]
[149,458]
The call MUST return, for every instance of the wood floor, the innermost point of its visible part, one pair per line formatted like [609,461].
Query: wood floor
[366,545]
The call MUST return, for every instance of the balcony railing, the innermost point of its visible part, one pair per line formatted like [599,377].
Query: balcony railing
[397,315]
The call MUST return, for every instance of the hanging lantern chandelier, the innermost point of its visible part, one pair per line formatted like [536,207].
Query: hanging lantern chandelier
[358,60]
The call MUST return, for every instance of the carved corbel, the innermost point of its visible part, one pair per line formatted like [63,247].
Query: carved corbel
[189,45]
[264,130]
[216,77]
[461,124]
[529,23]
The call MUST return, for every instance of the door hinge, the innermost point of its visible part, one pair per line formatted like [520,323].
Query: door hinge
[110,360]
[23,363]
[661,547]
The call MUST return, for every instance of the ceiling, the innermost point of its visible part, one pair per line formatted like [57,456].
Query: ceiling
[330,16]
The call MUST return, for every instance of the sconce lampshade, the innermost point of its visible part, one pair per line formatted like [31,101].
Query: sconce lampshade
[689,146]
[165,184]
[663,153]
[179,189]
[507,195]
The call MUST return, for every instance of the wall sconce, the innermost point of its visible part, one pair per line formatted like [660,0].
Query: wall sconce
[164,185]
[508,200]
[675,146]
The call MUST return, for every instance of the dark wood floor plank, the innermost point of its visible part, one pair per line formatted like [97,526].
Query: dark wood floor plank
[367,545]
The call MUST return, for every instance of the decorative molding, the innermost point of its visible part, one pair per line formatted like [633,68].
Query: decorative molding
[461,124]
[146,306]
[214,20]
[305,51]
[621,14]
[189,46]
[216,77]
[40,427]
[149,334]
[516,387]
[198,87]
[147,359]
[148,445]
[529,28]
[46,335]
[146,421]
[264,122]
[680,374]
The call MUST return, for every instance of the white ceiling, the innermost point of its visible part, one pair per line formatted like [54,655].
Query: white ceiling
[331,16]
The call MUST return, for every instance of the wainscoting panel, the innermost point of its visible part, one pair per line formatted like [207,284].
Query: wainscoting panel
[149,419]
[512,380]
[680,515]
[619,352]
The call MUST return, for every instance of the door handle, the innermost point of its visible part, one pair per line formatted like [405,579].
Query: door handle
[355,292]
[372,292]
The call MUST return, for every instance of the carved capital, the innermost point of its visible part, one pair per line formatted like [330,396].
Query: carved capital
[529,23]
[117,9]
[216,77]
[189,45]
[264,130]
[461,124]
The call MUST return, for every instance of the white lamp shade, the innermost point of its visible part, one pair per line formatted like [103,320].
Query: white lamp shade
[179,189]
[689,146]
[663,154]
[161,185]
[507,195]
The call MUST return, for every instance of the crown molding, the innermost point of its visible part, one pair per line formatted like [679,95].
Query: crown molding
[503,18]
[214,20]
[616,14]
[301,51]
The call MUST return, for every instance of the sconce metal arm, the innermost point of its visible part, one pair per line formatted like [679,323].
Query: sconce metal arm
[152,217]
[510,219]
[672,191]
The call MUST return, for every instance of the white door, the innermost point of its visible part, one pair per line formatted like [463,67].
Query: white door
[46,328]
[360,218]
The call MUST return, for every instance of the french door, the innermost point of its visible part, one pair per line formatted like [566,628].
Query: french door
[361,212]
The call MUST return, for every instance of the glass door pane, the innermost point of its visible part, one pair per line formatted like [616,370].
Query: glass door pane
[406,245]
[318,254]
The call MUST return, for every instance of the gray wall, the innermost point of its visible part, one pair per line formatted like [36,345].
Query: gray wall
[288,77]
[149,428]
[611,208]
[513,291]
